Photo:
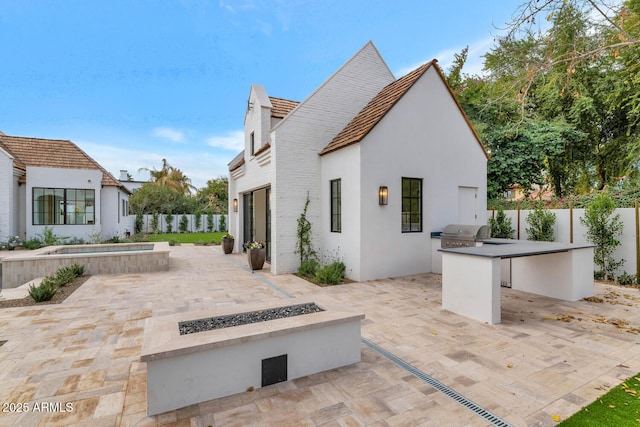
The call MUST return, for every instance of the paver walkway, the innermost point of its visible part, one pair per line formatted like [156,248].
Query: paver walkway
[546,358]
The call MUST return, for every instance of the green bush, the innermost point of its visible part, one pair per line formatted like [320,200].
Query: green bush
[43,292]
[184,223]
[223,223]
[173,242]
[501,226]
[541,224]
[32,244]
[598,275]
[139,223]
[169,219]
[331,274]
[627,279]
[209,221]
[309,267]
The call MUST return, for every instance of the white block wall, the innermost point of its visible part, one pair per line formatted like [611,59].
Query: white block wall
[7,197]
[626,251]
[302,135]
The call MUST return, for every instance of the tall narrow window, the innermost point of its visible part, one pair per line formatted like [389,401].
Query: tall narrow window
[411,205]
[336,206]
[252,140]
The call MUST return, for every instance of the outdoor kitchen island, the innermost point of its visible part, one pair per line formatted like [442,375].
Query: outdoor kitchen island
[471,276]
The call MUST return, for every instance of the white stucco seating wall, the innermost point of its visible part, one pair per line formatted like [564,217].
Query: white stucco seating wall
[471,276]
[186,369]
[96,259]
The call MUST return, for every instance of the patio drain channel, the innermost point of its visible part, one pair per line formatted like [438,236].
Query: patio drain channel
[473,407]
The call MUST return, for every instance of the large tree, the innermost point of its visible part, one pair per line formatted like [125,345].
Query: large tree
[214,196]
[169,176]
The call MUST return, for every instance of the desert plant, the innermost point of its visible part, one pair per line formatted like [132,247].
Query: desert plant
[223,223]
[603,230]
[184,223]
[541,224]
[501,226]
[169,219]
[95,236]
[49,238]
[33,243]
[43,292]
[331,274]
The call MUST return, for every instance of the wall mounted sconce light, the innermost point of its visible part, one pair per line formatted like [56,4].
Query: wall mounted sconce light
[383,195]
[235,205]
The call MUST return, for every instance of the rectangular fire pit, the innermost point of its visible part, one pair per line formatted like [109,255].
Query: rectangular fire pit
[200,365]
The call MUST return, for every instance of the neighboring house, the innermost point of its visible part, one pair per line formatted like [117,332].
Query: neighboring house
[53,183]
[384,162]
[126,180]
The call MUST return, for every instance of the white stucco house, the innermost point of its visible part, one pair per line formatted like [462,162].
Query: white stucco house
[53,183]
[385,162]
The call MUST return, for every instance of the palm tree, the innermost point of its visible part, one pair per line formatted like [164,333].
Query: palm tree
[171,177]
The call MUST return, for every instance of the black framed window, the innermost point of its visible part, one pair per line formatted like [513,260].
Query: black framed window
[336,206]
[252,140]
[411,205]
[52,206]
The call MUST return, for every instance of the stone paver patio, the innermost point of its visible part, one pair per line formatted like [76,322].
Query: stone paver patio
[547,357]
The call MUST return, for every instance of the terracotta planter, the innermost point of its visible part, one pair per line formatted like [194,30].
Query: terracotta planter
[227,245]
[256,258]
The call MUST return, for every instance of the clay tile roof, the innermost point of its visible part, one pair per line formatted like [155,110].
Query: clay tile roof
[53,153]
[281,107]
[375,110]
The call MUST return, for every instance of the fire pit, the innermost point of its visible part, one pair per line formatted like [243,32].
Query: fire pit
[185,369]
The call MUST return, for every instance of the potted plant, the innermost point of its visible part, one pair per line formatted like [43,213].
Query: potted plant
[227,243]
[256,254]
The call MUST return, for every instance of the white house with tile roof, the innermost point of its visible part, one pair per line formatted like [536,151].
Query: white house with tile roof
[361,133]
[53,183]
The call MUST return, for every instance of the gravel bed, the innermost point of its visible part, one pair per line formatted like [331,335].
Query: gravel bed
[230,320]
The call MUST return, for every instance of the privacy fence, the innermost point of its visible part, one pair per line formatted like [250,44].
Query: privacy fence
[173,225]
[569,229]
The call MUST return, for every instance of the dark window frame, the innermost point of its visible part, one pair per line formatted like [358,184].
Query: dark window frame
[411,221]
[335,191]
[52,209]
[252,141]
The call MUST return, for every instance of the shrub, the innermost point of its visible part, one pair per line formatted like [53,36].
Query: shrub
[139,223]
[155,219]
[331,274]
[501,226]
[603,230]
[49,238]
[627,279]
[43,292]
[598,275]
[541,224]
[173,242]
[198,221]
[223,223]
[169,219]
[32,244]
[309,267]
[184,223]
[209,221]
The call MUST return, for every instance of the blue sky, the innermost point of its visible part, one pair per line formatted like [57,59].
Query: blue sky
[132,82]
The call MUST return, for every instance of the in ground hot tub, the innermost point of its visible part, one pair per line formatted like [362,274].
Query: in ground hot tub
[185,369]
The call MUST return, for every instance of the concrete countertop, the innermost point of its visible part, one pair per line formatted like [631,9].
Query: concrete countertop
[509,248]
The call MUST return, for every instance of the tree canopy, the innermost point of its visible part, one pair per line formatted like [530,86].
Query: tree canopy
[559,101]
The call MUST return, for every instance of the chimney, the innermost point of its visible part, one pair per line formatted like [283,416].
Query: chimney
[123,175]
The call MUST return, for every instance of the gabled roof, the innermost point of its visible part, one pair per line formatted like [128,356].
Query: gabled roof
[380,105]
[281,107]
[53,153]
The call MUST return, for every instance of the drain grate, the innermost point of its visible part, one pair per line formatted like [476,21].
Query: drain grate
[473,407]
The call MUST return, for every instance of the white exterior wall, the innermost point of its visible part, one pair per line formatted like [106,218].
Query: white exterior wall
[423,136]
[62,178]
[257,170]
[345,165]
[7,197]
[302,135]
[113,223]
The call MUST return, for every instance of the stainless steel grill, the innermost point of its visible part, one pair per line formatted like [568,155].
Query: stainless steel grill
[463,235]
